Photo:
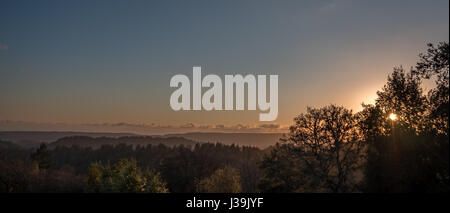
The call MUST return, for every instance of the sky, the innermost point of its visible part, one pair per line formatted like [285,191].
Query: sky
[66,64]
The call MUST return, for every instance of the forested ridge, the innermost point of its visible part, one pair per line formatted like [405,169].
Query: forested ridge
[182,167]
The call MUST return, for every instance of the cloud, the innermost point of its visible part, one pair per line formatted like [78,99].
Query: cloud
[269,126]
[219,126]
[240,127]
[188,125]
[204,126]
[138,128]
[3,47]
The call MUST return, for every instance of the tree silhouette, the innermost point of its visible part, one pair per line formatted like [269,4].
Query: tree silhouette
[282,172]
[410,154]
[435,63]
[42,157]
[327,145]
[403,96]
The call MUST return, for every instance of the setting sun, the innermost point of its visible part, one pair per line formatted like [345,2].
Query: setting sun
[393,116]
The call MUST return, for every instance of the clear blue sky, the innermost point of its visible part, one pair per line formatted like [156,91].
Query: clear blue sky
[111,61]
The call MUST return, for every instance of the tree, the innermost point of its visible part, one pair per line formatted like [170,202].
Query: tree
[282,172]
[95,177]
[124,176]
[14,176]
[410,154]
[435,63]
[42,157]
[223,180]
[325,145]
[403,96]
[154,182]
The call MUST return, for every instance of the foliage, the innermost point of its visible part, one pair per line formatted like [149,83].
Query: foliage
[223,180]
[282,172]
[325,147]
[435,63]
[410,154]
[403,96]
[124,176]
[42,157]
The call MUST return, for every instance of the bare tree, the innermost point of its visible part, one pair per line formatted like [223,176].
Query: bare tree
[328,143]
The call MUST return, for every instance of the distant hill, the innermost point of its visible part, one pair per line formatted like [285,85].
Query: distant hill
[261,140]
[8,145]
[29,139]
[85,141]
[11,151]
